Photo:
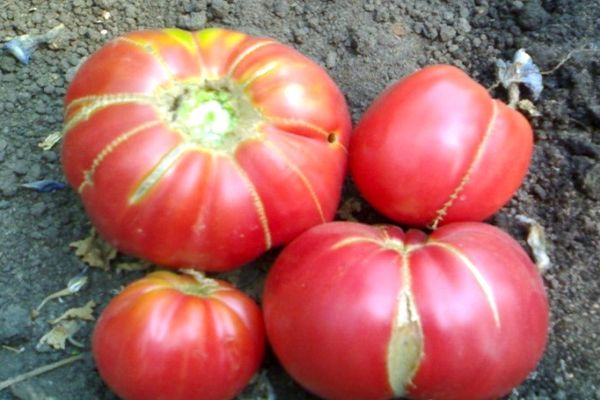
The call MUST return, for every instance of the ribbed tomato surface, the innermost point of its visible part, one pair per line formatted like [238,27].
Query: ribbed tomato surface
[204,149]
[437,148]
[178,337]
[358,312]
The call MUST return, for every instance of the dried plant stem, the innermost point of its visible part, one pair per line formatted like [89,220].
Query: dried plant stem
[568,57]
[39,371]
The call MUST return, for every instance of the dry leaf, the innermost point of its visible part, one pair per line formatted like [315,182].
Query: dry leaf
[528,107]
[536,239]
[60,334]
[83,313]
[94,251]
[138,265]
[50,140]
[73,286]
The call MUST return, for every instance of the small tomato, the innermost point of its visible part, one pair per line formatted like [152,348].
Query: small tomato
[204,149]
[435,147]
[178,337]
[362,312]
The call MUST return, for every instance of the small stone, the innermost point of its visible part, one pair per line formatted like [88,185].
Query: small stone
[130,11]
[540,192]
[582,147]
[38,209]
[463,26]
[532,16]
[430,31]
[331,59]
[281,8]
[28,391]
[8,183]
[20,167]
[105,3]
[193,21]
[14,320]
[591,182]
[447,33]
[594,111]
[219,8]
[399,29]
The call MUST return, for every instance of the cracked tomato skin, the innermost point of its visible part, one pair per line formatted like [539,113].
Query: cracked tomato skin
[436,148]
[204,149]
[358,312]
[171,336]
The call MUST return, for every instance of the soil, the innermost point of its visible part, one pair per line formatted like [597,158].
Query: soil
[366,46]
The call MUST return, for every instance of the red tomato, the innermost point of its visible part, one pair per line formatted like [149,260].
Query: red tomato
[437,148]
[170,336]
[360,312]
[204,149]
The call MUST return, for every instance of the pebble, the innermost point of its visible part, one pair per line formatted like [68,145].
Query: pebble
[38,209]
[591,182]
[8,183]
[532,16]
[281,8]
[463,26]
[193,21]
[582,147]
[447,33]
[20,167]
[14,320]
[219,8]
[28,391]
[331,59]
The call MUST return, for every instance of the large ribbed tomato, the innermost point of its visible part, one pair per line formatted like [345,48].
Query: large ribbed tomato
[178,337]
[360,312]
[435,148]
[204,149]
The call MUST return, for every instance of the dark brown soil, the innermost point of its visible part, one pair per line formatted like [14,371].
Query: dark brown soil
[366,46]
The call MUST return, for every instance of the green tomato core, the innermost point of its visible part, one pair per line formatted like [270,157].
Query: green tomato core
[215,115]
[207,115]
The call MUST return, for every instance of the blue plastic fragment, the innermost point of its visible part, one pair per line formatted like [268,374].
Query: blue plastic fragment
[45,185]
[521,70]
[23,46]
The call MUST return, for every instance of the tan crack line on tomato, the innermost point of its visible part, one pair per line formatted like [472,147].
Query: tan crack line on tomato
[152,51]
[479,278]
[256,200]
[158,171]
[285,123]
[246,53]
[99,102]
[201,61]
[88,175]
[353,240]
[110,98]
[405,349]
[300,175]
[263,71]
[441,213]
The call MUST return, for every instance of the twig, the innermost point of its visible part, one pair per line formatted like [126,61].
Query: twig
[39,371]
[567,58]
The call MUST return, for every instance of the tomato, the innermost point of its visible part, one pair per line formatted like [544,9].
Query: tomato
[436,148]
[170,336]
[371,312]
[204,149]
